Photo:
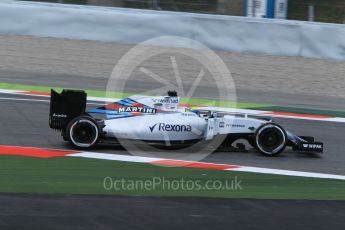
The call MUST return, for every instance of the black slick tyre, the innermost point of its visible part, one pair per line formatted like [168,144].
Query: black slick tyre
[83,132]
[270,139]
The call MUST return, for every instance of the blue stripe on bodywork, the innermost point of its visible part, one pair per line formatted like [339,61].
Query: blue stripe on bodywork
[108,112]
[117,116]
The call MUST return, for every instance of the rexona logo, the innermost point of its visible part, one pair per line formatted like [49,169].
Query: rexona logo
[170,128]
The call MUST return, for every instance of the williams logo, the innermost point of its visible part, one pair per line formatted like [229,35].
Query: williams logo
[312,146]
[170,128]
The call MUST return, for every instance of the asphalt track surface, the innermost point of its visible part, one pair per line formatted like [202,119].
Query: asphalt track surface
[260,79]
[28,211]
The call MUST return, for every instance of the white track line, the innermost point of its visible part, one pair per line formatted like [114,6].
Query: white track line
[22,99]
[10,91]
[114,157]
[288,173]
[138,159]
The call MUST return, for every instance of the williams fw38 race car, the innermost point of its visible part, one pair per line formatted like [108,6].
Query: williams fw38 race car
[162,121]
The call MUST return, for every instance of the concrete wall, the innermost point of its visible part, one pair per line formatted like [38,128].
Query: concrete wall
[229,33]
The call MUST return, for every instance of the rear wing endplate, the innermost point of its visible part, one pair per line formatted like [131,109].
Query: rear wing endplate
[65,106]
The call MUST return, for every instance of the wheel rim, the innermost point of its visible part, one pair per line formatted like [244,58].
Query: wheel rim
[270,139]
[84,133]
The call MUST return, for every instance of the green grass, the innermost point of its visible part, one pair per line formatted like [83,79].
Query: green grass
[86,176]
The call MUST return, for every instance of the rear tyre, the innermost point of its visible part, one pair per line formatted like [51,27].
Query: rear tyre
[83,132]
[270,139]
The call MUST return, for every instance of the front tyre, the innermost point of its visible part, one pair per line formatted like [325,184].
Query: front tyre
[270,139]
[83,132]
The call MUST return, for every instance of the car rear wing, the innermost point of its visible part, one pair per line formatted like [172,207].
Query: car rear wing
[65,106]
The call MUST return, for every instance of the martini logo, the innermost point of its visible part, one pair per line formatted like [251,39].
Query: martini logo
[137,109]
[171,128]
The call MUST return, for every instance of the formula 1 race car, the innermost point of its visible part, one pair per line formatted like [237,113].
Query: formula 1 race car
[162,120]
